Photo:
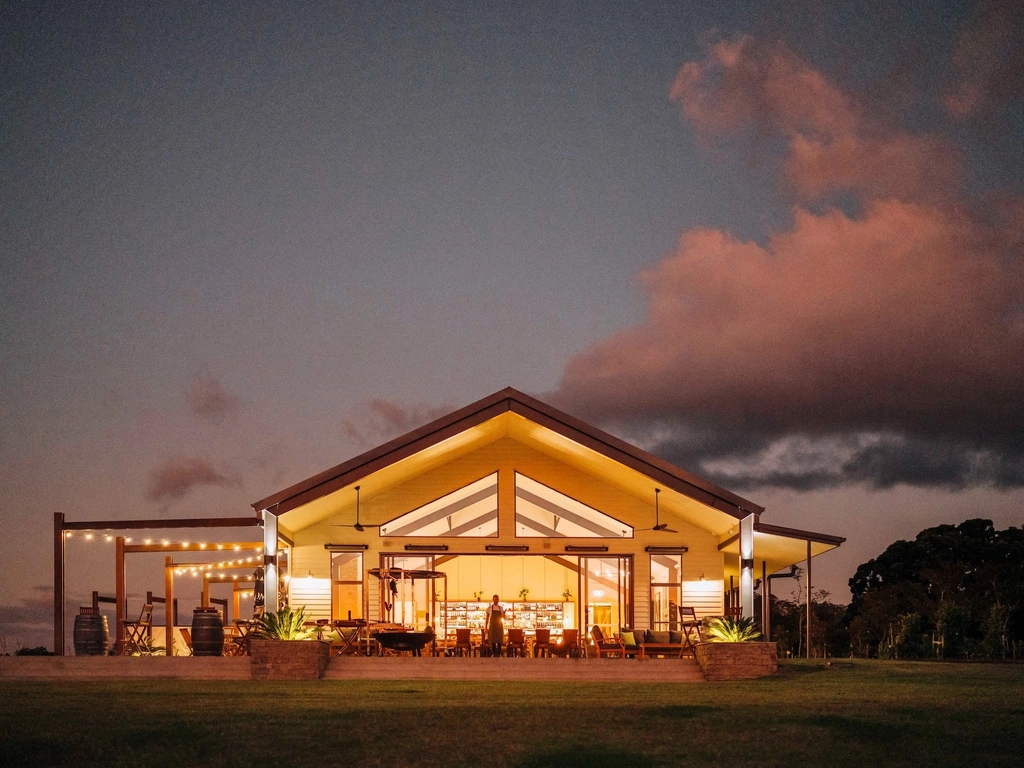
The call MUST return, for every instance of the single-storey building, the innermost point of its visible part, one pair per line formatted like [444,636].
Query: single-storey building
[569,525]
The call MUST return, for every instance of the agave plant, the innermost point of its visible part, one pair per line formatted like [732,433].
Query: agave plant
[286,624]
[145,647]
[731,630]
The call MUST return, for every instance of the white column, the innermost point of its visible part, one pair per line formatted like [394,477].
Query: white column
[747,566]
[270,560]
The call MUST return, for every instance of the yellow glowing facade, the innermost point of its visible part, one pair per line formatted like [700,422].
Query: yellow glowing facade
[512,497]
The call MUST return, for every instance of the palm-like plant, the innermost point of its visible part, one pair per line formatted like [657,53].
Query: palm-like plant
[286,624]
[731,630]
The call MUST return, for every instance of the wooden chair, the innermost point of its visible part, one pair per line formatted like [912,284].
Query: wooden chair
[463,643]
[240,641]
[734,612]
[516,643]
[136,633]
[604,646]
[570,645]
[691,627]
[186,635]
[542,643]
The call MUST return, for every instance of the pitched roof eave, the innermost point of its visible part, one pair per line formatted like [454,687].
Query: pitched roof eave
[508,399]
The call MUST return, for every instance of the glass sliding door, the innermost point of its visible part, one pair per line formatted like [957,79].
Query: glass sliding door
[409,602]
[607,591]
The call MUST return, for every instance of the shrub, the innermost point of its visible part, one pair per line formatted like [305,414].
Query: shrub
[286,624]
[730,630]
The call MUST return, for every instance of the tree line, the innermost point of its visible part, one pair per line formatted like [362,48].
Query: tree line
[954,592]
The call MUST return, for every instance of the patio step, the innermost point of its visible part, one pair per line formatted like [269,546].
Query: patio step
[473,668]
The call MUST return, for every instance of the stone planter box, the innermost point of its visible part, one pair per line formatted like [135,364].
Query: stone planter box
[288,659]
[737,661]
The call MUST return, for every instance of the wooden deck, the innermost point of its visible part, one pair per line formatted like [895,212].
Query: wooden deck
[355,668]
[475,668]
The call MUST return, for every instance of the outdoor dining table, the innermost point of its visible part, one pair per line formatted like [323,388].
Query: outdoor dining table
[349,644]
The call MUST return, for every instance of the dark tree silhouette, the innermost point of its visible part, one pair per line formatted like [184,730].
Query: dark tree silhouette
[956,591]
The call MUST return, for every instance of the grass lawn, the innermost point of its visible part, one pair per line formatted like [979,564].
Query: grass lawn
[858,714]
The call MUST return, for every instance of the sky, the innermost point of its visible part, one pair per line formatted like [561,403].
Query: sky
[779,244]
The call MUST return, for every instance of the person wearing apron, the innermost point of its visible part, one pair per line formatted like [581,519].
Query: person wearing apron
[495,627]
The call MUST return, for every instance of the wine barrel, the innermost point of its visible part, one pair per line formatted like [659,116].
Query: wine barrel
[91,635]
[207,632]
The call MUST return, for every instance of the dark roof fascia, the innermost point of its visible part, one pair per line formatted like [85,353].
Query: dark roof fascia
[508,399]
[664,472]
[796,533]
[382,456]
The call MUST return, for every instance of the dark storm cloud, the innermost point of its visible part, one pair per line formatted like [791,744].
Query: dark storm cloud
[174,478]
[803,463]
[380,420]
[882,348]
[31,617]
[207,397]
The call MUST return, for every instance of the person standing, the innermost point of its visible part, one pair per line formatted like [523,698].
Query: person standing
[495,626]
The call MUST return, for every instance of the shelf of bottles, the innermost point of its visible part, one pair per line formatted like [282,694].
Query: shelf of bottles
[518,615]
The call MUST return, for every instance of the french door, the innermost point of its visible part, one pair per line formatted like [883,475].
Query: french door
[606,586]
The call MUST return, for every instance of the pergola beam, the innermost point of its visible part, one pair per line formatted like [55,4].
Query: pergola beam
[225,548]
[159,523]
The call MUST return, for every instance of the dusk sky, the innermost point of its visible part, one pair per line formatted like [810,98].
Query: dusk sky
[779,244]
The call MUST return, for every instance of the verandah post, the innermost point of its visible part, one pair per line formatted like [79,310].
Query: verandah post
[58,583]
[747,566]
[270,561]
[807,644]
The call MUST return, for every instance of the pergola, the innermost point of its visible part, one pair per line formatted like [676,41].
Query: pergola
[62,528]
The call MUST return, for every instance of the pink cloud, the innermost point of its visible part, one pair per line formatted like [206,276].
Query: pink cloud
[207,397]
[898,317]
[883,333]
[176,477]
[833,146]
[989,61]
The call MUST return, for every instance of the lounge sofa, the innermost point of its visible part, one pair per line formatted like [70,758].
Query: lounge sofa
[647,642]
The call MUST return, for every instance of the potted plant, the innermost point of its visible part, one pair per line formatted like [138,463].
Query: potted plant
[280,648]
[730,650]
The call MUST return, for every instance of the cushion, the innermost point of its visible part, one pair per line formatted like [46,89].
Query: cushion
[627,638]
[660,637]
[675,637]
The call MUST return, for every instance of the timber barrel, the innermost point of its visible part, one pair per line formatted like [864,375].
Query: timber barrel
[207,632]
[91,635]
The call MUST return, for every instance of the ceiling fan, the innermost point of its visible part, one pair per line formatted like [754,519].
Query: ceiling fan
[357,525]
[658,525]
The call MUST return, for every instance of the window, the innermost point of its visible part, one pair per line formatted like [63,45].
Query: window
[347,585]
[666,589]
[468,512]
[544,512]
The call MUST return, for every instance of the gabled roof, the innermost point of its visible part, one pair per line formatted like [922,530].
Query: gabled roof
[505,401]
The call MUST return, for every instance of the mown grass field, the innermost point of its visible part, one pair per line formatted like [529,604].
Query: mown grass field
[853,714]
